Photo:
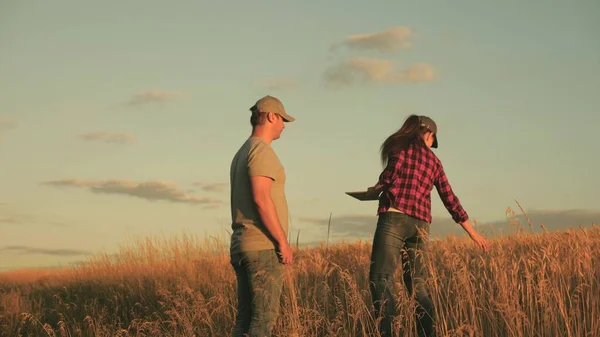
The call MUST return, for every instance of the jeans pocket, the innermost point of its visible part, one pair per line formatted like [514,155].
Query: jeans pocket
[265,258]
[395,225]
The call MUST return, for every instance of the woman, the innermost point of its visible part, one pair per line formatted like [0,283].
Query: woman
[404,215]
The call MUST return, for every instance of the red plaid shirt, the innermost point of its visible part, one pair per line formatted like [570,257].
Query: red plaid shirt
[408,179]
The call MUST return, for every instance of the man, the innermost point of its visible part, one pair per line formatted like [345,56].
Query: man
[259,213]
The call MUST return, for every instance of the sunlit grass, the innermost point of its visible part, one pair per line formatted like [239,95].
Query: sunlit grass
[543,284]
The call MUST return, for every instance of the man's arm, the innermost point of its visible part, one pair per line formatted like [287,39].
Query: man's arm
[263,165]
[261,191]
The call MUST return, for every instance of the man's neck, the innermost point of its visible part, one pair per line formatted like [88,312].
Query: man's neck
[262,134]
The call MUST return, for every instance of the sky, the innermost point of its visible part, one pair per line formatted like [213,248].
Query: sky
[119,120]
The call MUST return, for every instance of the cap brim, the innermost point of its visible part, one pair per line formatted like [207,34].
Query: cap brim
[287,118]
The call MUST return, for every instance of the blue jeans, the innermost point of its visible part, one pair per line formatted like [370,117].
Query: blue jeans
[396,239]
[259,284]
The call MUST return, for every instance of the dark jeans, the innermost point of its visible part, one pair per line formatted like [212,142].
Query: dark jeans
[259,283]
[397,238]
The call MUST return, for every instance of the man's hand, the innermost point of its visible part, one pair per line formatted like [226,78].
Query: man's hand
[286,255]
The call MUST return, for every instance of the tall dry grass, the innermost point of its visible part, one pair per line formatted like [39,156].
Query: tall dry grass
[528,285]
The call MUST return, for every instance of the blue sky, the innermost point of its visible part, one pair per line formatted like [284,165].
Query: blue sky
[119,119]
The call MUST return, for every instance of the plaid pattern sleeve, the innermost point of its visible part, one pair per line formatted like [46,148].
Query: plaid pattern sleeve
[408,180]
[450,200]
[393,166]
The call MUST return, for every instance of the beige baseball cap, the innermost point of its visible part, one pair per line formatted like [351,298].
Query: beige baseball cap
[274,105]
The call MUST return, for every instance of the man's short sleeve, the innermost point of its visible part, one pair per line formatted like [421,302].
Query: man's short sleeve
[262,161]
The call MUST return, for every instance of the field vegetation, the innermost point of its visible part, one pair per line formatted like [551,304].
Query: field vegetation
[529,284]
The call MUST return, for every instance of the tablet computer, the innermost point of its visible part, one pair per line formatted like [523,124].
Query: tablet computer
[362,196]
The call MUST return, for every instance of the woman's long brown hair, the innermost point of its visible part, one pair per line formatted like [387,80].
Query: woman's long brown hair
[401,139]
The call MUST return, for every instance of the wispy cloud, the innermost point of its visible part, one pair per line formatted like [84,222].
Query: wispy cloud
[11,216]
[148,190]
[277,84]
[212,206]
[6,125]
[58,224]
[8,216]
[371,70]
[360,70]
[26,250]
[106,137]
[10,220]
[212,187]
[154,97]
[388,41]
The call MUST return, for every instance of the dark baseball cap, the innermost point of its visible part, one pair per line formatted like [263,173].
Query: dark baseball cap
[430,124]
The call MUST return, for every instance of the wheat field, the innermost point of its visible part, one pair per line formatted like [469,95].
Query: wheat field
[545,284]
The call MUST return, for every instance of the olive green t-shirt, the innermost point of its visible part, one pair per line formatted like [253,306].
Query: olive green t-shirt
[254,158]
